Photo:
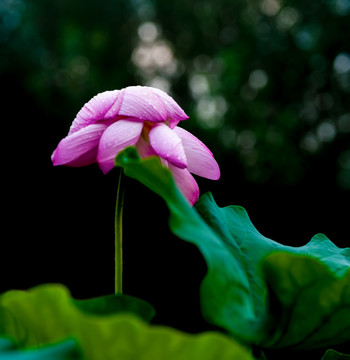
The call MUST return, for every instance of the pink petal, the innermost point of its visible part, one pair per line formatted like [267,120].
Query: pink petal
[143,103]
[200,160]
[117,137]
[175,113]
[186,183]
[103,106]
[150,104]
[79,148]
[139,102]
[167,144]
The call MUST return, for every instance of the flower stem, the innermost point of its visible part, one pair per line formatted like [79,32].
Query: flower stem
[118,235]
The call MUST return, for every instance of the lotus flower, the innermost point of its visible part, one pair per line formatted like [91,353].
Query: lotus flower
[146,118]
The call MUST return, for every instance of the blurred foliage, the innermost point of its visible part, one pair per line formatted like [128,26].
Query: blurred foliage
[44,315]
[266,82]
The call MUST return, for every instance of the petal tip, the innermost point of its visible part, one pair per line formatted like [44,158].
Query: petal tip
[216,173]
[194,197]
[105,166]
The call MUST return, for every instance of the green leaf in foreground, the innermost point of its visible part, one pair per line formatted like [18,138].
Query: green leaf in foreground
[47,314]
[66,350]
[116,304]
[6,344]
[262,292]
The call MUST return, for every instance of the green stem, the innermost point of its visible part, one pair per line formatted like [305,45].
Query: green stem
[118,234]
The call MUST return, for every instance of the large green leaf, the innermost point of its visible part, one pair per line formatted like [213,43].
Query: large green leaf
[314,301]
[262,292]
[309,285]
[47,314]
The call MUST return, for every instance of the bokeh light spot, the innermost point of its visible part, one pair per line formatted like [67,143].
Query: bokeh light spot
[258,79]
[270,7]
[326,131]
[199,85]
[148,31]
[287,18]
[341,63]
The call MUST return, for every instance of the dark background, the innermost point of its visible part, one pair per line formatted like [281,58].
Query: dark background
[266,85]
